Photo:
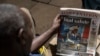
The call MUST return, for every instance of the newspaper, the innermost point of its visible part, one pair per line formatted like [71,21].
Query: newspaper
[78,32]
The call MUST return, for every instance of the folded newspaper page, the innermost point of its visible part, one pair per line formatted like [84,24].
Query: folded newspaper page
[78,32]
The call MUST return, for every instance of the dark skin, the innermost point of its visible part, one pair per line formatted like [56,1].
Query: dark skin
[74,31]
[34,43]
[25,42]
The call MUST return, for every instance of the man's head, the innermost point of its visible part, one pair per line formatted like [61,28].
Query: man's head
[16,31]
[74,29]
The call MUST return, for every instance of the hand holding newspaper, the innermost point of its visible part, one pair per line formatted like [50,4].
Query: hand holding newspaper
[79,30]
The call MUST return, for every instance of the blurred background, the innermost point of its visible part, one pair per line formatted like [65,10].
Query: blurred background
[44,11]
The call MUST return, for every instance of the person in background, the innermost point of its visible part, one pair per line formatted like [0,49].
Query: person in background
[91,4]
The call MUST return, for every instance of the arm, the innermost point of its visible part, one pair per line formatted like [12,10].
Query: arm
[37,42]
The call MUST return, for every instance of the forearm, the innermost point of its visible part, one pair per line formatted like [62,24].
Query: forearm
[39,41]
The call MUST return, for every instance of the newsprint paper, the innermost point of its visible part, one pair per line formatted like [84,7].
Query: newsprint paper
[78,32]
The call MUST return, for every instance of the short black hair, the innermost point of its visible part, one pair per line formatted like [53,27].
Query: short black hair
[11,20]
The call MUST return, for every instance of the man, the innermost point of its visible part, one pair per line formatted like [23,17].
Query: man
[73,35]
[17,34]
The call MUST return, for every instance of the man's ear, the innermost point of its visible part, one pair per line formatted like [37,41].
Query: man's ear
[20,35]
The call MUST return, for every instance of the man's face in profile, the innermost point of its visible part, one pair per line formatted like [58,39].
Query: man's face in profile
[29,34]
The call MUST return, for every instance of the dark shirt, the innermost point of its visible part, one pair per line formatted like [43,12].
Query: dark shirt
[91,4]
